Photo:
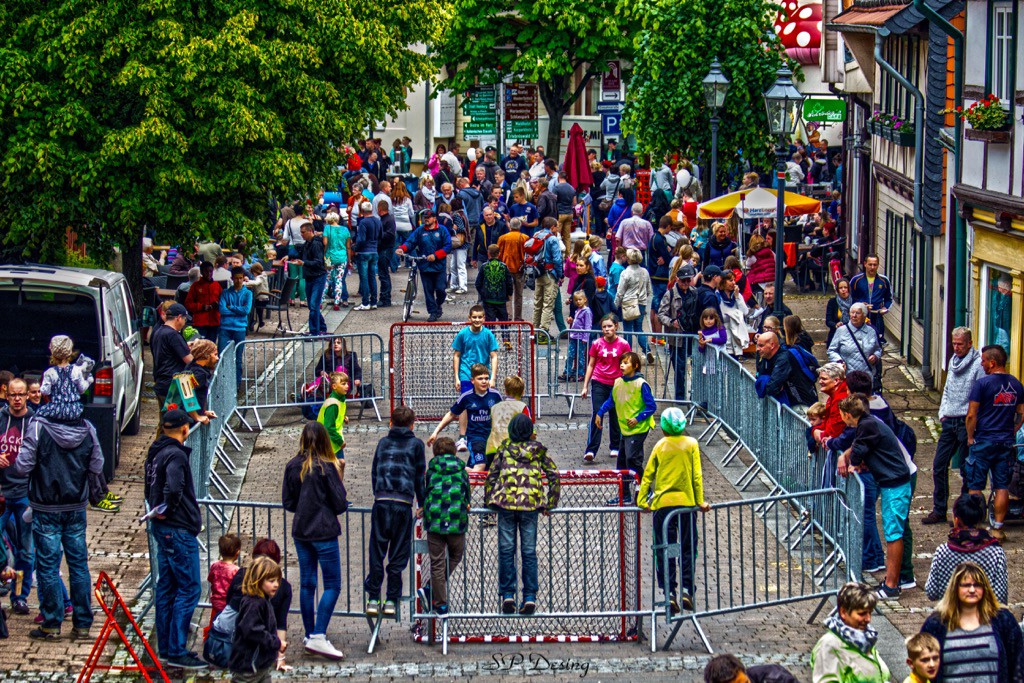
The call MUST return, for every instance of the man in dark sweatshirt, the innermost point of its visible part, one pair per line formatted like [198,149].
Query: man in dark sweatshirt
[176,523]
[63,463]
[14,419]
[876,447]
[780,375]
[398,474]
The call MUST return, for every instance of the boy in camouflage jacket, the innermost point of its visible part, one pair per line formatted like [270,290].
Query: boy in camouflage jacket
[446,518]
[515,488]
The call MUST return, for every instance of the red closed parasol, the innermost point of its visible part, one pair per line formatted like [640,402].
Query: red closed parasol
[577,168]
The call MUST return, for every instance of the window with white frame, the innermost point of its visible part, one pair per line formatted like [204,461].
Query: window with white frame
[996,307]
[1003,38]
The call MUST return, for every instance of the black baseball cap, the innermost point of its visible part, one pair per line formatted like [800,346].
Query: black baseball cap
[175,419]
[175,310]
[712,271]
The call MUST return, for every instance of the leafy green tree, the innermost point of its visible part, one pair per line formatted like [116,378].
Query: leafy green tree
[186,116]
[537,41]
[665,106]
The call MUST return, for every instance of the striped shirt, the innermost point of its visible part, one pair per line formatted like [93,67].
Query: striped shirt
[971,656]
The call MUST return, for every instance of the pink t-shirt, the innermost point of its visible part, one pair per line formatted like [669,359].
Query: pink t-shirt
[607,357]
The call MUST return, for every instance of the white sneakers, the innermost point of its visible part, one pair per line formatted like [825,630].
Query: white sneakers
[317,644]
[462,444]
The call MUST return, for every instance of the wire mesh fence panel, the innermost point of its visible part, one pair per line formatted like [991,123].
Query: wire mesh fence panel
[422,374]
[287,371]
[588,570]
[204,439]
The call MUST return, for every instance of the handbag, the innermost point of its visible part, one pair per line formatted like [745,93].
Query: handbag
[876,369]
[607,203]
[630,310]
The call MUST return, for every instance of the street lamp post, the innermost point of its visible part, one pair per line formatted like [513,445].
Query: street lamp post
[783,103]
[716,85]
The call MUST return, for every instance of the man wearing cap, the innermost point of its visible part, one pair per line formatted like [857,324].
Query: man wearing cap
[679,313]
[170,352]
[63,463]
[433,245]
[707,291]
[176,523]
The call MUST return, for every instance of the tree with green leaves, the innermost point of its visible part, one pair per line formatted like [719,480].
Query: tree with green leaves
[665,106]
[545,42]
[186,116]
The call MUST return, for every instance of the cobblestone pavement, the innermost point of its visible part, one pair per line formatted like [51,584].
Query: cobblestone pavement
[779,634]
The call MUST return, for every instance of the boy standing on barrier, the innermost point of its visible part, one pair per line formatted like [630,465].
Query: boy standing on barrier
[634,406]
[446,519]
[397,475]
[476,405]
[673,481]
[515,487]
[876,446]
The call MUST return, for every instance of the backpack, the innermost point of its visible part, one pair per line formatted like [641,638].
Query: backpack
[689,313]
[807,363]
[906,436]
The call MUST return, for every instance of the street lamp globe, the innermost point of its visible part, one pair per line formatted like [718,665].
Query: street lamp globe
[783,103]
[716,85]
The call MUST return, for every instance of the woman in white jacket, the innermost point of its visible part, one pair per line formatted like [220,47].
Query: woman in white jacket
[633,295]
[734,314]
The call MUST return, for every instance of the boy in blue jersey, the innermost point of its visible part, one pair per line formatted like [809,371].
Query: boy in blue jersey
[472,345]
[476,405]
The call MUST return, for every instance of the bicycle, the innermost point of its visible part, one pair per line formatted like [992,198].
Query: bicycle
[410,287]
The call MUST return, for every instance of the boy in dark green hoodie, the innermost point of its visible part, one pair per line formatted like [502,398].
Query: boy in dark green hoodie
[446,518]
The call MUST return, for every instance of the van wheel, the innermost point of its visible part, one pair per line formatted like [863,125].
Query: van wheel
[135,423]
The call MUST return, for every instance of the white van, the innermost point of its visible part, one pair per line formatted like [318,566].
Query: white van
[95,309]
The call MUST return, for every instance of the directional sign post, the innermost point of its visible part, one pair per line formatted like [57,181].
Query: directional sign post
[481,106]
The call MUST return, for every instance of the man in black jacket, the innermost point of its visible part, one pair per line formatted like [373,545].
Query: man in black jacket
[14,418]
[679,314]
[314,272]
[768,308]
[176,522]
[780,376]
[385,252]
[397,475]
[707,291]
[64,466]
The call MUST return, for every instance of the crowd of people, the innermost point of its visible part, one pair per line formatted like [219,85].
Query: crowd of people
[618,276]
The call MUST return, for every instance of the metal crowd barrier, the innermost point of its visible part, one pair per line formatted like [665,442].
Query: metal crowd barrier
[205,440]
[745,555]
[274,371]
[422,376]
[589,571]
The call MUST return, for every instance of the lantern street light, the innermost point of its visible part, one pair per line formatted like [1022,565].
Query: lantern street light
[716,85]
[783,103]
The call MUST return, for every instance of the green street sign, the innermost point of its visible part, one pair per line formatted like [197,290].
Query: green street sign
[832,111]
[477,108]
[521,129]
[482,93]
[479,128]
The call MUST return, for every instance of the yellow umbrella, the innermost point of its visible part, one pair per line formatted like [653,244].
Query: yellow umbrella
[757,203]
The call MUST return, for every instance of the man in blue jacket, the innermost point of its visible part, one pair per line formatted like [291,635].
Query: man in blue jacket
[433,245]
[368,234]
[235,304]
[875,290]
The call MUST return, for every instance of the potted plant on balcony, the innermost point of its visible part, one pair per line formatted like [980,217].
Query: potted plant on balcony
[902,133]
[878,122]
[988,120]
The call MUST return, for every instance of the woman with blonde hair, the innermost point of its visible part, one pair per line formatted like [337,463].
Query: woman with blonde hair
[313,491]
[760,264]
[847,651]
[256,644]
[980,640]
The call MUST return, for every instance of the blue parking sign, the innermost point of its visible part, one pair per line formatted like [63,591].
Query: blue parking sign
[610,124]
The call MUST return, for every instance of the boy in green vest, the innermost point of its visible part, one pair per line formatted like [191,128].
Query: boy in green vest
[332,414]
[634,406]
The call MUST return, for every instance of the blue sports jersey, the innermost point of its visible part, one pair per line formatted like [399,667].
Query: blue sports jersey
[478,413]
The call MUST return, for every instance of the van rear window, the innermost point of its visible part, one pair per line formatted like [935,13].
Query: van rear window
[32,317]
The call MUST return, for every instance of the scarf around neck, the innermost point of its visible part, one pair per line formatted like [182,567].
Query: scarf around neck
[862,640]
[960,365]
[726,299]
[429,193]
[969,540]
[844,307]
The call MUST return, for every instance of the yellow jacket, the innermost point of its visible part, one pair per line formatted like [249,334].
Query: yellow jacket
[674,474]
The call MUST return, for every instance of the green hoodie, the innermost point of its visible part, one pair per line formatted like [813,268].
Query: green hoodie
[448,496]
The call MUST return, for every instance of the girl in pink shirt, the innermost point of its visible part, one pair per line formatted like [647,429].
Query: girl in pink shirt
[602,370]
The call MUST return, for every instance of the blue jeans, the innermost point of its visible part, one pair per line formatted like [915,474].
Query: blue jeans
[576,361]
[54,531]
[367,265]
[433,290]
[525,523]
[872,554]
[226,337]
[25,547]
[316,287]
[328,557]
[636,326]
[177,588]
